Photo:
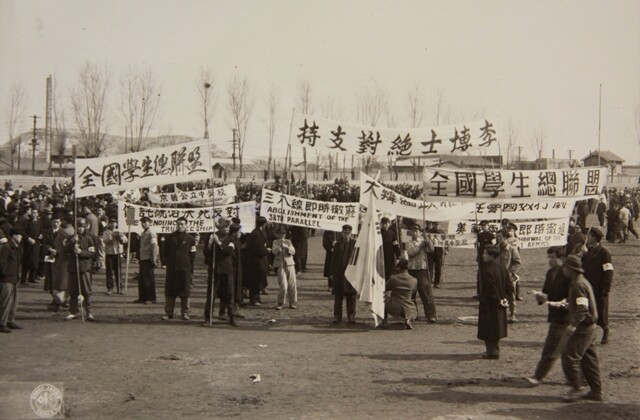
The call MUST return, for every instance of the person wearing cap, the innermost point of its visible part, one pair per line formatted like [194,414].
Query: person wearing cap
[340,286]
[598,270]
[179,250]
[575,239]
[495,290]
[283,253]
[9,271]
[418,249]
[114,242]
[30,246]
[148,262]
[555,289]
[81,250]
[579,358]
[510,260]
[257,261]
[398,302]
[484,239]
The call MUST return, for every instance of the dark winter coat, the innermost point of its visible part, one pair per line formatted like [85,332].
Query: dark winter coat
[179,251]
[339,261]
[495,285]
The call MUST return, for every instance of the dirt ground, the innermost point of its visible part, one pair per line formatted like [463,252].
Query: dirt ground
[131,364]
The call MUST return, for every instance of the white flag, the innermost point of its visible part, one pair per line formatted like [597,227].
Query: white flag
[365,271]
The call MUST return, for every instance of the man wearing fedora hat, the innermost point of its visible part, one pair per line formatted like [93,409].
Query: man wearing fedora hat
[579,357]
[598,270]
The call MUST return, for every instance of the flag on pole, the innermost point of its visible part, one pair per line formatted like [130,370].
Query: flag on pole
[365,270]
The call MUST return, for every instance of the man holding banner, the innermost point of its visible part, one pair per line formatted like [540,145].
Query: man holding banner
[148,261]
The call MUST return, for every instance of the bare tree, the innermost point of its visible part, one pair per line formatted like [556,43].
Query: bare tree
[439,106]
[512,142]
[139,101]
[206,87]
[273,108]
[240,105]
[89,105]
[59,137]
[372,103]
[537,143]
[304,99]
[15,118]
[331,109]
[415,103]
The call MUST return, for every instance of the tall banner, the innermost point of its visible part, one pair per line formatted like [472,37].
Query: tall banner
[531,234]
[390,202]
[290,210]
[365,270]
[200,219]
[512,185]
[331,136]
[184,162]
[222,195]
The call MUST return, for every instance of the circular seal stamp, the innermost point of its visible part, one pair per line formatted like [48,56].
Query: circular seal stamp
[46,401]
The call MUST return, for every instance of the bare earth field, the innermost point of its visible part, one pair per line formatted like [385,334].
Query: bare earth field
[131,364]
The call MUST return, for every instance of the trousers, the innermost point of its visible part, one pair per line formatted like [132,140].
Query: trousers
[425,292]
[553,346]
[351,306]
[75,291]
[579,359]
[146,282]
[170,304]
[287,285]
[8,302]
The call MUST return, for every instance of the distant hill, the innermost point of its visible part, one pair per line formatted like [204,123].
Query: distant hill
[114,144]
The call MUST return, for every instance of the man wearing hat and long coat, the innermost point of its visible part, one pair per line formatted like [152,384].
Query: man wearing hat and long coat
[340,286]
[598,270]
[60,265]
[179,249]
[257,260]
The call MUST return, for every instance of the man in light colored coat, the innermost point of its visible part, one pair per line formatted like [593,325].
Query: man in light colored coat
[283,252]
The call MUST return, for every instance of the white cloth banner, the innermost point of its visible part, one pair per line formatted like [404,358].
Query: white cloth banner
[222,195]
[199,219]
[365,270]
[354,139]
[389,202]
[550,209]
[531,234]
[290,210]
[185,162]
[512,185]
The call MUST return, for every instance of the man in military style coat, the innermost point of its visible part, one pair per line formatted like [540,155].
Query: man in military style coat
[257,261]
[179,249]
[341,288]
[496,290]
[598,270]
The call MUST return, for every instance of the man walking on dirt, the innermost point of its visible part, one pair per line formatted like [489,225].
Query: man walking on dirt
[598,270]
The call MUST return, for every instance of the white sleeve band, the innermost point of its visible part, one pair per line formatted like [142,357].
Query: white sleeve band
[607,267]
[582,301]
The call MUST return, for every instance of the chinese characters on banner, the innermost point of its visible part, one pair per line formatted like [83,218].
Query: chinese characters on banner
[185,162]
[336,136]
[390,202]
[199,219]
[291,210]
[537,234]
[512,185]
[222,195]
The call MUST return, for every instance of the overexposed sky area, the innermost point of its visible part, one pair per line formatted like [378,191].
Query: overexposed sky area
[537,64]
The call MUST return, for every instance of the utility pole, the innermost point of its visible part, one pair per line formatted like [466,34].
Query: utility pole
[234,142]
[570,151]
[599,122]
[34,142]
[519,154]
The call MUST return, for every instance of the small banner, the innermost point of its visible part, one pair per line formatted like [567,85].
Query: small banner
[525,210]
[502,185]
[290,210]
[536,234]
[199,219]
[186,162]
[222,195]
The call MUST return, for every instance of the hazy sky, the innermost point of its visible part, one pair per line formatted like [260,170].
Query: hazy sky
[536,63]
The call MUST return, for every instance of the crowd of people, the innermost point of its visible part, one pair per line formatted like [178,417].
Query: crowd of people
[46,236]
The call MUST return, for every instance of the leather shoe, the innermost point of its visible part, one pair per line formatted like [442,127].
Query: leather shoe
[4,329]
[14,326]
[490,356]
[593,396]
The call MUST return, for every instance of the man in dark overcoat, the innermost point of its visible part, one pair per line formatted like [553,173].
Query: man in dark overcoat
[329,238]
[400,287]
[598,270]
[257,261]
[300,240]
[341,288]
[390,247]
[31,246]
[495,291]
[179,249]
